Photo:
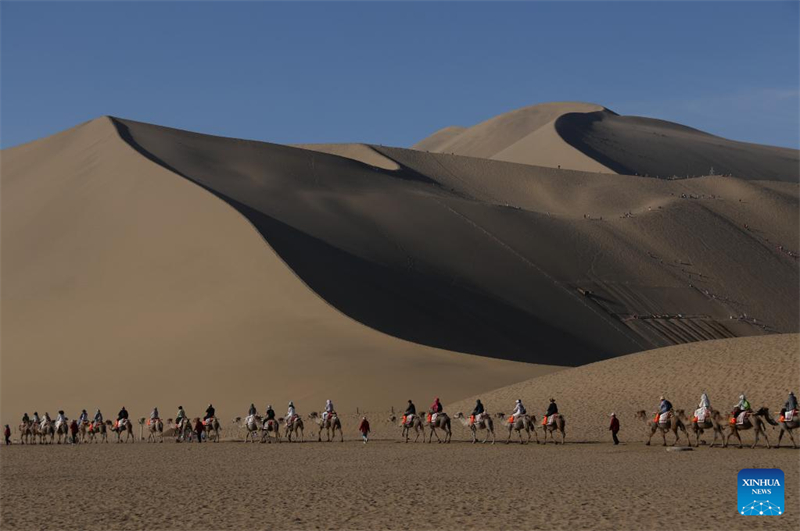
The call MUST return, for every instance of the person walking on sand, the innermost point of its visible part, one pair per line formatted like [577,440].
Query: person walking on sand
[364,429]
[199,429]
[614,427]
[7,435]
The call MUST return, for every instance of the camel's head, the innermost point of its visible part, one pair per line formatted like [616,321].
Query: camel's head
[237,420]
[680,413]
[141,420]
[500,415]
[641,414]
[392,418]
[459,415]
[313,415]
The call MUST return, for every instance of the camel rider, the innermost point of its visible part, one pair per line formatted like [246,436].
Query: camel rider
[436,408]
[209,413]
[477,411]
[290,413]
[180,417]
[410,411]
[270,414]
[154,415]
[519,410]
[98,417]
[252,411]
[61,418]
[704,402]
[664,406]
[83,418]
[25,418]
[741,406]
[46,419]
[36,419]
[791,402]
[328,410]
[552,409]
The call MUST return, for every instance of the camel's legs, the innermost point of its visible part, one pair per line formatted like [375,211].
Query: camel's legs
[736,432]
[664,436]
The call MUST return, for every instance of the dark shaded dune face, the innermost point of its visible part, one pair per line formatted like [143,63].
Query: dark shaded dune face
[509,261]
[391,250]
[643,146]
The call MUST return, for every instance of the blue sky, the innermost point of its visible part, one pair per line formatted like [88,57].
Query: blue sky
[392,73]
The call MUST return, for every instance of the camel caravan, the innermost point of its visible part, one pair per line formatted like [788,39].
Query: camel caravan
[435,423]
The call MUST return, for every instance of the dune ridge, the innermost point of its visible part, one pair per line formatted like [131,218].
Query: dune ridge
[589,137]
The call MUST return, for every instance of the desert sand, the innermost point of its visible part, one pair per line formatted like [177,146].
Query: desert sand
[144,266]
[383,485]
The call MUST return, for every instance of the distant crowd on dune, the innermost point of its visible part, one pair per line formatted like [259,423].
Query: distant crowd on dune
[267,427]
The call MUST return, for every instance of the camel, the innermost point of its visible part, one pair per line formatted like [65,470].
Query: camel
[414,422]
[47,427]
[62,432]
[272,426]
[27,433]
[294,425]
[252,424]
[673,424]
[713,421]
[183,430]
[98,429]
[155,430]
[443,423]
[788,426]
[756,421]
[330,424]
[557,424]
[525,422]
[124,425]
[484,422]
[212,428]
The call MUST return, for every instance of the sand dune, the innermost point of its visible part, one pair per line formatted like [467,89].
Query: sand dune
[125,284]
[764,368]
[589,137]
[125,279]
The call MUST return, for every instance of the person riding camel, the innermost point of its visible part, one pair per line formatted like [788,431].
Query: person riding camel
[25,419]
[46,419]
[252,411]
[328,410]
[742,406]
[180,416]
[290,413]
[154,415]
[98,417]
[552,409]
[409,413]
[703,408]
[791,402]
[123,414]
[84,418]
[477,411]
[664,409]
[210,411]
[519,411]
[270,416]
[789,411]
[436,408]
[36,419]
[61,418]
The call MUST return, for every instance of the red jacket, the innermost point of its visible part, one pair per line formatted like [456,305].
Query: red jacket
[364,426]
[614,425]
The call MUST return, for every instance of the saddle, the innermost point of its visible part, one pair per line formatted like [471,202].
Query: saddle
[788,415]
[700,415]
[741,418]
[292,420]
[208,421]
[663,418]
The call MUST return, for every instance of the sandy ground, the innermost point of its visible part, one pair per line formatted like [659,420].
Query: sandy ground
[383,485]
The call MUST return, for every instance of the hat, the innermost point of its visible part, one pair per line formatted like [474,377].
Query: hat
[613,414]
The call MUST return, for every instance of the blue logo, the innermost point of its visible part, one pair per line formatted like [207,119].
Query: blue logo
[761,492]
